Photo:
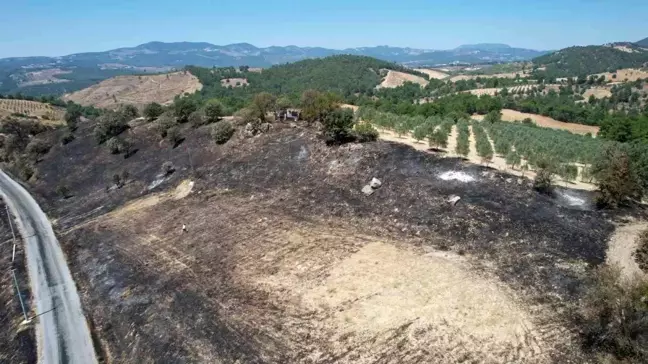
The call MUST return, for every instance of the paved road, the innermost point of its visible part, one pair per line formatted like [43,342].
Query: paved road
[63,334]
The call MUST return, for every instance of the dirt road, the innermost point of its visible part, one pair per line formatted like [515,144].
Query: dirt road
[61,330]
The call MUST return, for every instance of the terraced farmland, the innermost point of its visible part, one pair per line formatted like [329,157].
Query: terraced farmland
[43,111]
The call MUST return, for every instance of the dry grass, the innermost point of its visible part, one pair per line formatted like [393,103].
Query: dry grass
[395,79]
[629,74]
[545,121]
[47,113]
[433,73]
[136,90]
[597,92]
[498,75]
[234,82]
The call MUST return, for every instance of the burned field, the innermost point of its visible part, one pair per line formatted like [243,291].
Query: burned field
[17,341]
[285,260]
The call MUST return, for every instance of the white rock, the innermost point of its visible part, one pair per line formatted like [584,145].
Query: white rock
[367,190]
[375,183]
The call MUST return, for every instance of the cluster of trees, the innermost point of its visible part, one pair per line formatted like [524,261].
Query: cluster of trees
[582,61]
[482,144]
[344,75]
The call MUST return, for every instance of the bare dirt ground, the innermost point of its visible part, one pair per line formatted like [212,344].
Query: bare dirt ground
[433,73]
[285,260]
[234,82]
[395,79]
[544,121]
[622,75]
[498,75]
[597,92]
[136,90]
[622,247]
[43,77]
[46,113]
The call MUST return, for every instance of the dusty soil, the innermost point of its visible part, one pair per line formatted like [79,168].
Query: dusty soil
[43,77]
[498,75]
[285,260]
[234,82]
[544,121]
[433,73]
[395,79]
[136,90]
[17,341]
[46,113]
[622,247]
[629,74]
[597,92]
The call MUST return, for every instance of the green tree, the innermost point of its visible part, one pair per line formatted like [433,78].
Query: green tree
[513,159]
[72,117]
[183,107]
[153,110]
[338,126]
[222,132]
[262,104]
[213,110]
[316,105]
[616,178]
[129,111]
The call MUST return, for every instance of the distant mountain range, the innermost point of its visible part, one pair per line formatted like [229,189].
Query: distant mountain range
[38,75]
[160,54]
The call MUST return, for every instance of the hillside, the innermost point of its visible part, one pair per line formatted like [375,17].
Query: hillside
[136,90]
[56,75]
[285,259]
[642,43]
[583,61]
[343,74]
[44,112]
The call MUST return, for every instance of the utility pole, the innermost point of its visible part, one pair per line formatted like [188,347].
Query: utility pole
[13,254]
[22,304]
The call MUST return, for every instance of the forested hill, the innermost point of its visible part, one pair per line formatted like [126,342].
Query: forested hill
[583,61]
[642,43]
[344,75]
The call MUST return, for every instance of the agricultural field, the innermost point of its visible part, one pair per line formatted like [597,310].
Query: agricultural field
[513,147]
[624,75]
[136,90]
[45,112]
[545,122]
[433,73]
[395,79]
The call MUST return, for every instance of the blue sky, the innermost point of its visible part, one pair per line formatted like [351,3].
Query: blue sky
[54,27]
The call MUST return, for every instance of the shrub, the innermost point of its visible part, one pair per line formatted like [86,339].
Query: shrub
[365,132]
[543,181]
[222,132]
[616,179]
[615,316]
[198,118]
[129,111]
[164,123]
[38,147]
[117,145]
[67,138]
[338,126]
[213,110]
[119,179]
[153,110]
[63,191]
[174,136]
[110,124]
[183,107]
